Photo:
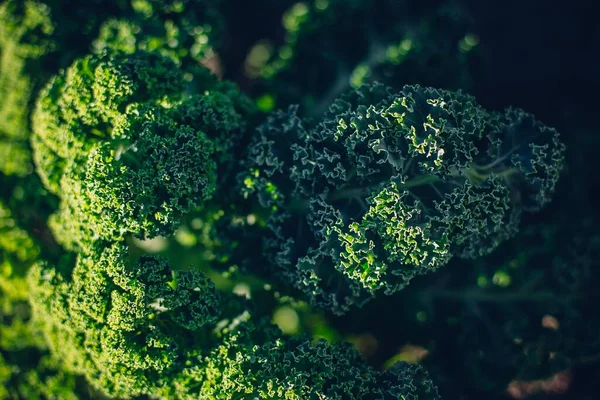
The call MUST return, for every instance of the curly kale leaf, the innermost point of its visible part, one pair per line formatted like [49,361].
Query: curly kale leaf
[388,186]
[128,150]
[298,369]
[136,327]
[126,322]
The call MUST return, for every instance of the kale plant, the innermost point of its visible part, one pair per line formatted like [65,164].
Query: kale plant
[389,185]
[314,199]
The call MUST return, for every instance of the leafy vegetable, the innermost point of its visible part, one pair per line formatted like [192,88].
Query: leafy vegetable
[388,186]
